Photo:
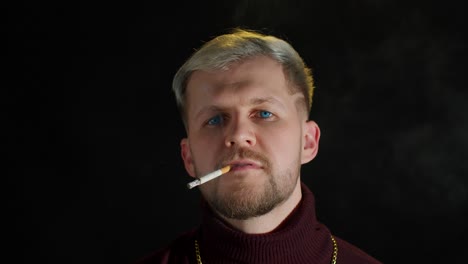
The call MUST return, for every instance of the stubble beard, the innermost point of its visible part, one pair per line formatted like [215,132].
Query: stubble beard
[246,201]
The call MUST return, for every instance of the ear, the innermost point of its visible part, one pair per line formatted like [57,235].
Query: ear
[311,141]
[187,156]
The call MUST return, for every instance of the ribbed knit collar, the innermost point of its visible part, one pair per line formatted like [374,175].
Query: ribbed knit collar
[300,239]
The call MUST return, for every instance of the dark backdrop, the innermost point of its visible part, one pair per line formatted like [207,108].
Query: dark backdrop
[94,170]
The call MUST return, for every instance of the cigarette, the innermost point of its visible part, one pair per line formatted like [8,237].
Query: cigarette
[208,177]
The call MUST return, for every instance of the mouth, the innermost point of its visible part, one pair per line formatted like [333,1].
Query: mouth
[244,165]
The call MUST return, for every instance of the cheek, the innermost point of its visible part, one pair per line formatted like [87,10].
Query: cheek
[282,150]
[204,151]
[282,144]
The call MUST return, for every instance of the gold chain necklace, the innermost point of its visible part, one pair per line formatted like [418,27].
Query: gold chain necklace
[333,260]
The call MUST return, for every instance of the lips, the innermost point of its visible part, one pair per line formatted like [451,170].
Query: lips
[244,164]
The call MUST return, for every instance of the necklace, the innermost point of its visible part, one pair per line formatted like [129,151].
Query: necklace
[333,260]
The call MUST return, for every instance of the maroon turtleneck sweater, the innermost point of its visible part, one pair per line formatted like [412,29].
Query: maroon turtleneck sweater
[299,239]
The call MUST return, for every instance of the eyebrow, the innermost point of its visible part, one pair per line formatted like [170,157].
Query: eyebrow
[268,99]
[211,108]
[252,102]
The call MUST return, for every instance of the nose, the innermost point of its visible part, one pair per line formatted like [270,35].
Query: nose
[240,133]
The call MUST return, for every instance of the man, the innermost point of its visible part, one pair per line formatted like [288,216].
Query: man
[245,99]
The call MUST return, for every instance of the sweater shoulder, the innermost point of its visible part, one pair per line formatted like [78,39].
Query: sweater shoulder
[351,254]
[178,251]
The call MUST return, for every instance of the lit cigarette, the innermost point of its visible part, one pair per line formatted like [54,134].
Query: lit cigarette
[208,177]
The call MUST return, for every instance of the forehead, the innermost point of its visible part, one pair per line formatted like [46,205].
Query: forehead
[259,74]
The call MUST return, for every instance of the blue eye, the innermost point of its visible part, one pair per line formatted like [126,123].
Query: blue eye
[265,114]
[216,120]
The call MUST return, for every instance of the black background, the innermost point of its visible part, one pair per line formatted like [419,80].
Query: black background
[92,144]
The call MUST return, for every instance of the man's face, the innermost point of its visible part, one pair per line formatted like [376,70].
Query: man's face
[246,117]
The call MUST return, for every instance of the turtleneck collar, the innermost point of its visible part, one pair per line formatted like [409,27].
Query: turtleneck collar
[298,239]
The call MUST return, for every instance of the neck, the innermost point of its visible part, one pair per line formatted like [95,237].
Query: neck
[269,221]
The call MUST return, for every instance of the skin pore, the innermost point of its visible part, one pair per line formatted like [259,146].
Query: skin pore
[247,117]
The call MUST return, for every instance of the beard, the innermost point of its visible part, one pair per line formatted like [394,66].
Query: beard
[245,200]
